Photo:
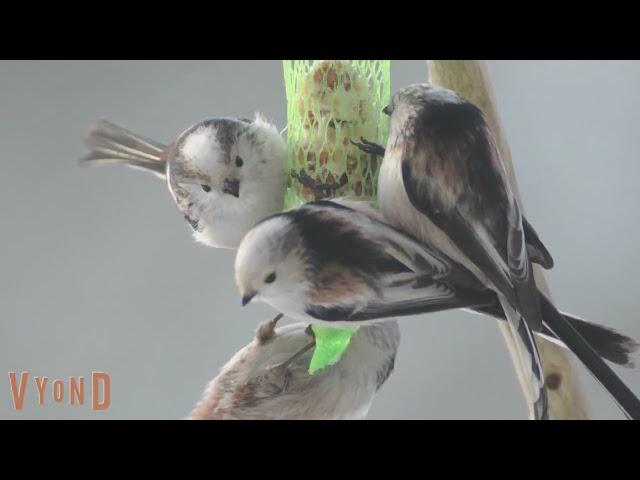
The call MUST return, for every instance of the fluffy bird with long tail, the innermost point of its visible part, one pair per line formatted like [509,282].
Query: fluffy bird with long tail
[442,180]
[224,174]
[338,263]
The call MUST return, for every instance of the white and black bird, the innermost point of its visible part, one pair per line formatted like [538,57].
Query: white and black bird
[224,174]
[443,181]
[336,262]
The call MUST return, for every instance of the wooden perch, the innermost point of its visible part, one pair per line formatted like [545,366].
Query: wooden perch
[470,78]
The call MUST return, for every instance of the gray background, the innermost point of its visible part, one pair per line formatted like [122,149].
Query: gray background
[98,270]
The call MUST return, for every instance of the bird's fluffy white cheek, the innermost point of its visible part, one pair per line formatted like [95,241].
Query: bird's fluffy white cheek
[263,197]
[285,296]
[223,222]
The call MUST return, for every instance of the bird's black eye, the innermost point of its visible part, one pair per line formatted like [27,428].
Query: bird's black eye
[239,162]
[270,278]
[206,188]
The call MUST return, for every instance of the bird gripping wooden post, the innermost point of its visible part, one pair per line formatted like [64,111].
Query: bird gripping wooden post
[470,79]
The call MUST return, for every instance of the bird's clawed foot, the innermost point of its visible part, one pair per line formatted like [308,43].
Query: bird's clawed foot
[311,343]
[320,190]
[309,331]
[279,375]
[298,354]
[369,147]
[267,330]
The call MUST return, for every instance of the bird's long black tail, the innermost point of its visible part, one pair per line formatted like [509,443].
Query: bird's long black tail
[569,335]
[112,144]
[607,343]
[590,343]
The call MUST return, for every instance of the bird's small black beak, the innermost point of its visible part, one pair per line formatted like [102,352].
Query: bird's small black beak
[387,110]
[232,187]
[247,298]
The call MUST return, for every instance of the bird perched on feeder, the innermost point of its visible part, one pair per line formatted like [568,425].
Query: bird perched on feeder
[337,263]
[224,174]
[268,378]
[442,180]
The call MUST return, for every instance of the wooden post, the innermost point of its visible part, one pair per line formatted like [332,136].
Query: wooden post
[470,79]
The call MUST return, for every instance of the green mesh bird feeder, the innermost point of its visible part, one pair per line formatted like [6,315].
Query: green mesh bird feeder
[331,103]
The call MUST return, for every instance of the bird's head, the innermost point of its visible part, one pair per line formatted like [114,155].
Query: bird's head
[225,175]
[271,265]
[421,105]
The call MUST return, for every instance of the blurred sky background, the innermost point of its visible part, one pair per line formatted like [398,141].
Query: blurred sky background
[98,270]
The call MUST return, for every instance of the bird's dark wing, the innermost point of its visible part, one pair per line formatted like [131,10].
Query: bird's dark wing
[458,181]
[389,250]
[538,253]
[529,358]
[370,270]
[360,241]
[455,177]
[413,298]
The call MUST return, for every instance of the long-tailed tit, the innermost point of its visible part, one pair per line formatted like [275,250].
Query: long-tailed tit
[328,262]
[224,174]
[268,378]
[442,180]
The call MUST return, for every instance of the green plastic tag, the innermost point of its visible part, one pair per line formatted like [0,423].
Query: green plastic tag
[331,344]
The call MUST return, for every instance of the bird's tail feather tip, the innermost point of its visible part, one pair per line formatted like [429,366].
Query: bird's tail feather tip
[628,346]
[89,160]
[110,144]
[618,348]
[609,343]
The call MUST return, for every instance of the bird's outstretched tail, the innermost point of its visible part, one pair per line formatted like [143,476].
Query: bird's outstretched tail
[607,343]
[565,331]
[591,343]
[112,144]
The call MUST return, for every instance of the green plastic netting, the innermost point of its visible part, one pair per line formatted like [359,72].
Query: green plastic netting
[330,103]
